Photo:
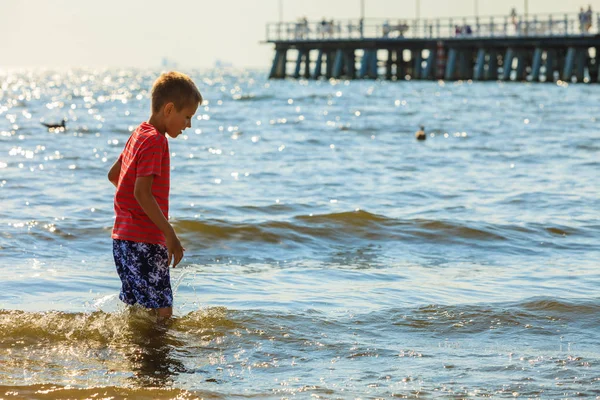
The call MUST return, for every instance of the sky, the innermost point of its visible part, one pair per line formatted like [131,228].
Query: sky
[195,33]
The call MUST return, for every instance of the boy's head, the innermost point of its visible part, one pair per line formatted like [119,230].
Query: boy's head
[175,98]
[177,88]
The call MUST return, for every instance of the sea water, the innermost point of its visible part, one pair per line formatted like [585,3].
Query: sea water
[328,253]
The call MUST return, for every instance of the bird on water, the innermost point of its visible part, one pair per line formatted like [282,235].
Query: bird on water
[420,134]
[62,126]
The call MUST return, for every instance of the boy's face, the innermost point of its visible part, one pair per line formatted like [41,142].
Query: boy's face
[177,121]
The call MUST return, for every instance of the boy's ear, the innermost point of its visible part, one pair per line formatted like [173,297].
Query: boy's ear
[168,109]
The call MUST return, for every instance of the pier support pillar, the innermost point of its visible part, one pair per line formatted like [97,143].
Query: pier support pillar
[339,64]
[465,64]
[598,64]
[273,73]
[307,64]
[400,70]
[330,64]
[318,65]
[440,60]
[508,60]
[451,65]
[581,60]
[536,65]
[492,68]
[549,65]
[430,65]
[592,64]
[480,65]
[373,70]
[417,63]
[569,63]
[350,64]
[521,64]
[279,64]
[388,65]
[298,63]
[365,64]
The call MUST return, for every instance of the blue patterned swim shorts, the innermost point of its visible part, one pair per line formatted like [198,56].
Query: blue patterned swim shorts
[144,272]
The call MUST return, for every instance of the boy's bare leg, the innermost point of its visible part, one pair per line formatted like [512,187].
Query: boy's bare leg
[164,313]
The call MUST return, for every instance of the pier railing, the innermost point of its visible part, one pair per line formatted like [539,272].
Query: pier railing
[574,24]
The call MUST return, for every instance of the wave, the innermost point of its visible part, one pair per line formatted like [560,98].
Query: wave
[313,96]
[126,354]
[539,315]
[329,225]
[252,97]
[55,391]
[588,147]
[340,227]
[336,229]
[22,328]
[100,327]
[322,231]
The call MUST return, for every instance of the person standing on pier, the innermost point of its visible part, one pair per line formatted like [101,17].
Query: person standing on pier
[323,28]
[582,17]
[385,28]
[361,27]
[588,18]
[334,28]
[301,30]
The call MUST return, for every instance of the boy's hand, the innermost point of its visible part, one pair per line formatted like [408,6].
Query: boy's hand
[174,248]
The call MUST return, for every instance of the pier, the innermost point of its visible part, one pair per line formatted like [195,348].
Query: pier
[534,48]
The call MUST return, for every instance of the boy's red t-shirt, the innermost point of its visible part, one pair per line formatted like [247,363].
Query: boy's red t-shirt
[146,153]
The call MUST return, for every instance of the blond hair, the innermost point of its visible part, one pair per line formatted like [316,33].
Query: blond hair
[177,88]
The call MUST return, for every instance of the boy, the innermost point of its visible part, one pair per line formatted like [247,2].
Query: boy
[144,243]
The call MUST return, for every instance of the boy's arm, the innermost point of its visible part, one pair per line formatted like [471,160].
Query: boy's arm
[115,171]
[145,198]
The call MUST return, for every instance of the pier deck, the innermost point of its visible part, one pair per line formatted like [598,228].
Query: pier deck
[539,48]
